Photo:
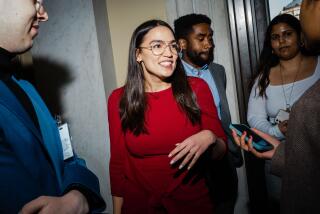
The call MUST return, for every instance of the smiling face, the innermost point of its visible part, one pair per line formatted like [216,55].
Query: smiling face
[19,23]
[198,46]
[157,68]
[284,41]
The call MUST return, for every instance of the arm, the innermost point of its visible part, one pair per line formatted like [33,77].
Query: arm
[219,149]
[117,204]
[210,120]
[278,159]
[73,173]
[194,146]
[78,177]
[276,154]
[117,147]
[81,192]
[247,146]
[232,147]
[258,117]
[220,77]
[72,202]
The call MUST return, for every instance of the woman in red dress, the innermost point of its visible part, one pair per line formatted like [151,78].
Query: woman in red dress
[162,125]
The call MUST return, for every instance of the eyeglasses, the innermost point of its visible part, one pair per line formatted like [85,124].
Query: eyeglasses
[39,6]
[159,47]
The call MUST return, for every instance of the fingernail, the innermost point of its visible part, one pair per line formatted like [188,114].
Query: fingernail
[177,144]
[189,167]
[181,166]
[169,155]
[172,162]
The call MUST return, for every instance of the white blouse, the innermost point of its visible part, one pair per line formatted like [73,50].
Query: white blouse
[260,109]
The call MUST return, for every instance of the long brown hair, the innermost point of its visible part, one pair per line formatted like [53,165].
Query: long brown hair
[267,58]
[133,102]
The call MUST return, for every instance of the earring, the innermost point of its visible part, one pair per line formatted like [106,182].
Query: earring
[302,44]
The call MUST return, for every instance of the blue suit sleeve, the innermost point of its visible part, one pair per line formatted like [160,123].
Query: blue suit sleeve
[78,176]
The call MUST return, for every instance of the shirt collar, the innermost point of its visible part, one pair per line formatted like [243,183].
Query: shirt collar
[193,70]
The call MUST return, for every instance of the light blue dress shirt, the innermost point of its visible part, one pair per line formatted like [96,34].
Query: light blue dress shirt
[204,74]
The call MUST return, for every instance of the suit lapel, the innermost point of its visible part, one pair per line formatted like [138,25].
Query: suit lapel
[9,100]
[217,79]
[221,90]
[48,128]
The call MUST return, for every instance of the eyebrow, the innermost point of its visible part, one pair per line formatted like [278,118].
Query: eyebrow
[204,34]
[288,30]
[162,41]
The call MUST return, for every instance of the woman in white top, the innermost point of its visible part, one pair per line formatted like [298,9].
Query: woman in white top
[285,72]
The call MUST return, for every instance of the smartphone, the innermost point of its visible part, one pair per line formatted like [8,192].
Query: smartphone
[282,116]
[258,142]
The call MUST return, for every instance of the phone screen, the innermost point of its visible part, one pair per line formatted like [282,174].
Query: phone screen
[258,142]
[243,128]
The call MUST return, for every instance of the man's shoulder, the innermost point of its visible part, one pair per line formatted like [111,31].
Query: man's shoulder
[310,99]
[216,67]
[218,72]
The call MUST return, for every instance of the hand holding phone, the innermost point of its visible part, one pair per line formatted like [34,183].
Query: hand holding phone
[258,143]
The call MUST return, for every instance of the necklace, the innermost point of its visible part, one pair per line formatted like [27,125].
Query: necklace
[288,106]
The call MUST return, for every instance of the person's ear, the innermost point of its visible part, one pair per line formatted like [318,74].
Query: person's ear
[182,44]
[138,56]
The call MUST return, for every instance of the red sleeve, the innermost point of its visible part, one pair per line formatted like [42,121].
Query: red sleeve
[117,146]
[209,115]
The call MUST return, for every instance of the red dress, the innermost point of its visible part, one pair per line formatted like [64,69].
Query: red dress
[139,167]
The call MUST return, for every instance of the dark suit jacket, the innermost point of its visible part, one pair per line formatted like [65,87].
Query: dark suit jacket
[298,159]
[219,75]
[31,160]
[221,175]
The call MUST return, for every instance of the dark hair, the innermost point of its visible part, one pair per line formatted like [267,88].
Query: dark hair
[183,25]
[267,59]
[133,102]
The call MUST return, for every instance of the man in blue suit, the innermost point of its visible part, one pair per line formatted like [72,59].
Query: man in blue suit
[34,177]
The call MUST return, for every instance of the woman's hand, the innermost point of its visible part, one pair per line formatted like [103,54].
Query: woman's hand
[192,148]
[247,146]
[283,126]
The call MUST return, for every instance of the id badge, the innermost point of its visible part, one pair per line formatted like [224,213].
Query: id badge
[66,141]
[282,115]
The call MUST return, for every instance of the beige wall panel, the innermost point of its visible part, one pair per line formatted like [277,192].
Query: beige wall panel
[124,16]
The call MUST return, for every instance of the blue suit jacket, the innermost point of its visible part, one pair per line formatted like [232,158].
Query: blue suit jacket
[31,161]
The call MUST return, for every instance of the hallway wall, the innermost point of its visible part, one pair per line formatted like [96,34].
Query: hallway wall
[70,76]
